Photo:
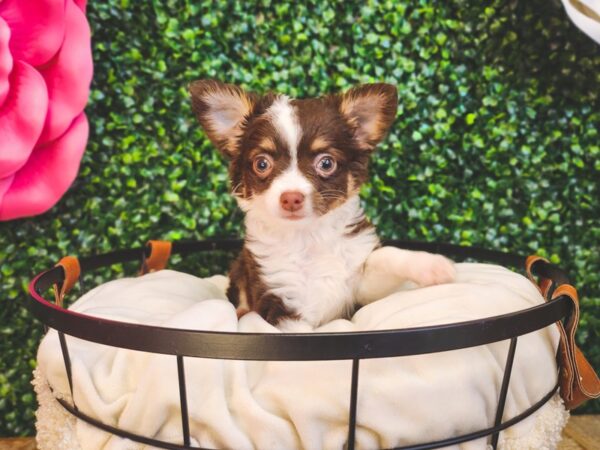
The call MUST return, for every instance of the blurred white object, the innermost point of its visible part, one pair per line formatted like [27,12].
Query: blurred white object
[585,14]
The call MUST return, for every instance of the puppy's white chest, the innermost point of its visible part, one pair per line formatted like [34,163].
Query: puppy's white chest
[315,274]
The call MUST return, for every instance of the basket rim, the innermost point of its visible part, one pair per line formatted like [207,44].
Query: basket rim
[297,346]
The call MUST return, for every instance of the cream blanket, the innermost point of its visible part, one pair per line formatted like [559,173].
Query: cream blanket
[288,405]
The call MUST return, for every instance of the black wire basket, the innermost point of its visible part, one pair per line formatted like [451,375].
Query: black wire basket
[354,346]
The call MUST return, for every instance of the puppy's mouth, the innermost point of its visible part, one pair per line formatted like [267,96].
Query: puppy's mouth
[296,215]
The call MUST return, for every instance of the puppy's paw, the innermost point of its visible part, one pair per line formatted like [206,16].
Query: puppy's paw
[428,269]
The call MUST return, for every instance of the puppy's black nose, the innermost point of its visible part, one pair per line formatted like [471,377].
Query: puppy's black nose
[291,200]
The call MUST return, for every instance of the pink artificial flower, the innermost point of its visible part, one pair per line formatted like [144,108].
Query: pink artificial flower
[45,75]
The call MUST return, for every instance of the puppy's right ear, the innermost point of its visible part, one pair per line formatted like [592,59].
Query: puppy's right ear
[222,110]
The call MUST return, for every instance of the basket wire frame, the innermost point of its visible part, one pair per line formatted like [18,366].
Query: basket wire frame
[561,309]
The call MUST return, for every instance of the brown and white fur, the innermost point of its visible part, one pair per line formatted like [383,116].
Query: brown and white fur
[296,167]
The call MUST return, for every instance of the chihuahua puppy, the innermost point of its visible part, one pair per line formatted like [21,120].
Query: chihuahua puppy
[296,167]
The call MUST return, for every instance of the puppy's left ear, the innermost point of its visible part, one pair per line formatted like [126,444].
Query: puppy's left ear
[222,110]
[370,109]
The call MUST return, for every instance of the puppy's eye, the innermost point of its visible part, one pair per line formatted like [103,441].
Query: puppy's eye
[325,165]
[262,165]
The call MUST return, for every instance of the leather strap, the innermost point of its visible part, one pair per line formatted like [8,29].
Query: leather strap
[72,269]
[160,251]
[578,380]
[543,284]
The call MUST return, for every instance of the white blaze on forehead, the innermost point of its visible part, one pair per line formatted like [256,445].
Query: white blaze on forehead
[283,116]
[286,123]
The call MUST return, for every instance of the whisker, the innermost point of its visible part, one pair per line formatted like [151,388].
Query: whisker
[235,188]
[331,196]
[332,191]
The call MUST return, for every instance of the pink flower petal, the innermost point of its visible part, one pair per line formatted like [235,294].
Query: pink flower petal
[37,27]
[4,185]
[22,117]
[6,61]
[81,4]
[68,75]
[48,174]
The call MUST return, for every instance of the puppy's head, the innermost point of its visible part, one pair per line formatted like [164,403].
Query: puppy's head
[294,160]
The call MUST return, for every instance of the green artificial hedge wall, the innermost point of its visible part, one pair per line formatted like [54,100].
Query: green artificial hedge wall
[495,144]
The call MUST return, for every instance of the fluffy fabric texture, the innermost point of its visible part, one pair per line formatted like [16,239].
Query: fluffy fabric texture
[289,405]
[55,425]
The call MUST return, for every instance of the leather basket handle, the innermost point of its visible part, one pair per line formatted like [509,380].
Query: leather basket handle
[543,284]
[158,256]
[578,380]
[72,270]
